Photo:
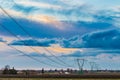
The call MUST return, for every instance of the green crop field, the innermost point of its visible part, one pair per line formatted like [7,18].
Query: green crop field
[50,79]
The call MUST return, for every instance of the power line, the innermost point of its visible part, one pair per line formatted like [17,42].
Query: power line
[29,34]
[25,54]
[57,57]
[25,43]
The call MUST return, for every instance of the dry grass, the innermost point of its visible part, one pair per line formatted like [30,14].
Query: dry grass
[50,79]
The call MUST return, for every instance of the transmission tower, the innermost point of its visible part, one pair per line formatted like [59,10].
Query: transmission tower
[81,64]
[94,66]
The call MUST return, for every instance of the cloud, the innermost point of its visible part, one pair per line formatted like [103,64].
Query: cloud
[46,26]
[77,12]
[31,42]
[74,54]
[38,4]
[35,55]
[1,40]
[116,8]
[73,42]
[87,52]
[7,4]
[100,21]
[12,13]
[82,12]
[104,56]
[40,29]
[64,10]
[108,39]
[70,12]
[49,20]
[73,2]
[24,9]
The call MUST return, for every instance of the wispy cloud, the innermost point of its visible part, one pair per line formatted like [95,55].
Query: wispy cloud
[65,11]
[1,40]
[50,20]
[38,4]
[31,42]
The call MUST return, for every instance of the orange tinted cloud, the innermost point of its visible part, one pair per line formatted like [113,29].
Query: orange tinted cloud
[48,20]
[63,50]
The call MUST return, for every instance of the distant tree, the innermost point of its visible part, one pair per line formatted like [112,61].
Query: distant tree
[56,70]
[6,69]
[13,71]
[42,71]
[68,70]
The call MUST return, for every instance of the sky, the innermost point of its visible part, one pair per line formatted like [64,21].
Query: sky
[54,33]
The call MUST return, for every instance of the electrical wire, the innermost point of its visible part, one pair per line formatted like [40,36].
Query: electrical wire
[25,43]
[29,34]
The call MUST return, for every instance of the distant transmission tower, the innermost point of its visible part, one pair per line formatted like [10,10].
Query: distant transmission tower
[81,64]
[94,66]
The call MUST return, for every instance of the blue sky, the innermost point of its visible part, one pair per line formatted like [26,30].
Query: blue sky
[68,29]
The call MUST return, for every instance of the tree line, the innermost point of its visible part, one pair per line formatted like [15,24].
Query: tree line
[7,70]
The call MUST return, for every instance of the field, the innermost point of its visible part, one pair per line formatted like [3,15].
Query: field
[50,79]
[103,76]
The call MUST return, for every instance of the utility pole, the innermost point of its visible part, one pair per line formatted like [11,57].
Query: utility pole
[81,64]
